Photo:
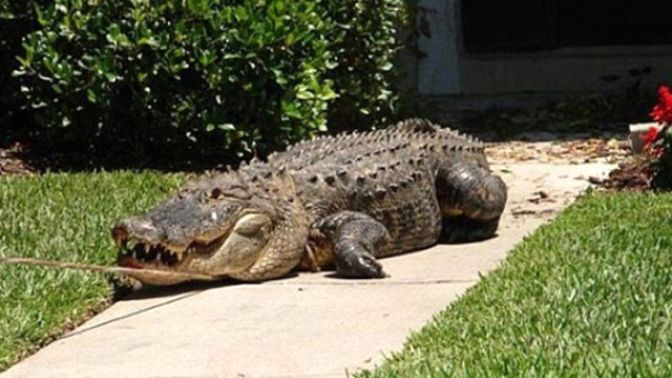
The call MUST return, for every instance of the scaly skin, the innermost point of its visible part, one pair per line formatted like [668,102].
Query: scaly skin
[342,201]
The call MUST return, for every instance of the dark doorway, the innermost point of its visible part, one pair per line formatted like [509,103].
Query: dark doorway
[532,25]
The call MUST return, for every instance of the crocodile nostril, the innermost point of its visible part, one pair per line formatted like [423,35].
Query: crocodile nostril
[120,235]
[145,226]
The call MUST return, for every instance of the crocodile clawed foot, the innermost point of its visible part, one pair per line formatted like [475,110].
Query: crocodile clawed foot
[310,262]
[359,265]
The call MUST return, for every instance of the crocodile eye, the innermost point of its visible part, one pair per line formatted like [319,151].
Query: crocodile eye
[215,193]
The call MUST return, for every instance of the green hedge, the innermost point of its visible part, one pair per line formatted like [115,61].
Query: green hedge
[17,19]
[364,43]
[154,77]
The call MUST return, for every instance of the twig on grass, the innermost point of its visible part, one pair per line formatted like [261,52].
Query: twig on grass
[104,269]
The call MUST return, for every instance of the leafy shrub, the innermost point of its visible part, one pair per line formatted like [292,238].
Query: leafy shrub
[159,77]
[364,43]
[143,71]
[16,20]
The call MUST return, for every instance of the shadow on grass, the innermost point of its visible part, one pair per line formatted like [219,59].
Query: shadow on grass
[68,150]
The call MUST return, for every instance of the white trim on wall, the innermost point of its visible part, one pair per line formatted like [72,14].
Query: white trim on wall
[439,71]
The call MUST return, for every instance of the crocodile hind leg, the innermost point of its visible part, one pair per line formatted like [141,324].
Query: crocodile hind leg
[355,238]
[472,200]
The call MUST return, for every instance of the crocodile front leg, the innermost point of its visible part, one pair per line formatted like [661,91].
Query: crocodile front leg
[355,237]
[472,200]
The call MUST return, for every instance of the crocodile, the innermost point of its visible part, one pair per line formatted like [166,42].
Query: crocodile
[338,202]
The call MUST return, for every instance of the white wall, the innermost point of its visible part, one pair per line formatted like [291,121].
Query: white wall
[439,71]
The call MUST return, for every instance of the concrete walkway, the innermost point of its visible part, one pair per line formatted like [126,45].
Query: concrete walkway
[310,325]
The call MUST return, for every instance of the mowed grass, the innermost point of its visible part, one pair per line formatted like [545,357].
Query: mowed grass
[62,217]
[587,295]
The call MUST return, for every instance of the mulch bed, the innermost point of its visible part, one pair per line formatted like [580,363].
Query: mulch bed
[632,175]
[558,150]
[633,172]
[11,162]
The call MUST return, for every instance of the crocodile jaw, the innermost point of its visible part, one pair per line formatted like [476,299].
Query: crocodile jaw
[233,251]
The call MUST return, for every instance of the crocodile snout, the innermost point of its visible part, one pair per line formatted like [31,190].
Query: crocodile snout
[134,228]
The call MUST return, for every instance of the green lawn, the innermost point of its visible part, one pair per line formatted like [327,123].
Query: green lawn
[588,295]
[68,217]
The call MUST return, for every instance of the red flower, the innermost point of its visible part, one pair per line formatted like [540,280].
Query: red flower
[662,112]
[650,136]
[657,152]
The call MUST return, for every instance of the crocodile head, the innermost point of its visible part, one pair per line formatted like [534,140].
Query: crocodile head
[204,230]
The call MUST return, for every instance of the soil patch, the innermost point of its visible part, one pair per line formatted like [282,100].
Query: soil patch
[632,175]
[12,163]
